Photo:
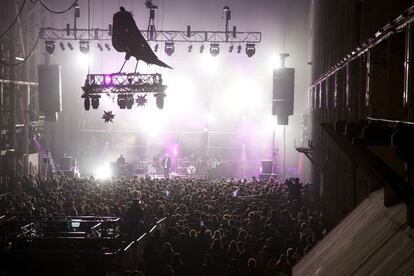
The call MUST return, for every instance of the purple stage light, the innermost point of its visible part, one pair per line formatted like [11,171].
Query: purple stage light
[175,149]
[107,79]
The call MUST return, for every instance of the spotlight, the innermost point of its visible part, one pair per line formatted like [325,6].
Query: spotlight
[169,48]
[129,101]
[108,48]
[87,103]
[121,101]
[156,47]
[95,102]
[83,60]
[70,46]
[201,49]
[50,46]
[84,46]
[231,48]
[250,49]
[190,48]
[239,49]
[100,47]
[214,49]
[160,100]
[62,46]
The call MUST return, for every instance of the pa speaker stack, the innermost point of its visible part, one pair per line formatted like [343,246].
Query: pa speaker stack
[266,170]
[283,94]
[50,90]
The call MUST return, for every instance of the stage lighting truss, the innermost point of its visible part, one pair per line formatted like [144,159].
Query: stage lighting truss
[97,34]
[123,85]
[169,38]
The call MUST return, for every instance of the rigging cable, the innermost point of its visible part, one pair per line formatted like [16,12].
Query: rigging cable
[15,19]
[89,34]
[25,58]
[58,12]
[284,127]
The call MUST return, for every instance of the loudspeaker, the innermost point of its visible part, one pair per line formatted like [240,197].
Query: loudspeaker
[50,88]
[283,94]
[266,166]
[66,163]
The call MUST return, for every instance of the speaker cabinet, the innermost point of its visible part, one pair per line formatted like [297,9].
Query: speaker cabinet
[283,94]
[50,89]
[266,166]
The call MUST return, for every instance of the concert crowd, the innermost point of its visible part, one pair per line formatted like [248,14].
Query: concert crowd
[213,227]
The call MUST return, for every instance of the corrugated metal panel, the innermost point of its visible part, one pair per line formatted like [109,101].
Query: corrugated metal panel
[372,240]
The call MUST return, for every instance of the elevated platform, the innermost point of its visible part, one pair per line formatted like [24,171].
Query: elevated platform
[372,240]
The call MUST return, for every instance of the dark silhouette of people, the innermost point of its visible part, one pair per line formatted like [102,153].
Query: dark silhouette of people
[121,160]
[206,231]
[134,218]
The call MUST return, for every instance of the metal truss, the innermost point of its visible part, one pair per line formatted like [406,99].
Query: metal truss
[97,34]
[122,83]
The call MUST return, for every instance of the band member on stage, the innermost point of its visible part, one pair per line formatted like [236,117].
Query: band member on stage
[120,166]
[120,161]
[212,165]
[166,165]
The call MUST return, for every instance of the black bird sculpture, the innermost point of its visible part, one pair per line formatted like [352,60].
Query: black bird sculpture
[127,38]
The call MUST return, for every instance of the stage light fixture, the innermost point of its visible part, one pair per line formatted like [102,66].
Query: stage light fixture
[239,49]
[100,47]
[87,103]
[214,49]
[108,48]
[95,102]
[250,49]
[156,47]
[62,46]
[121,101]
[160,100]
[129,101]
[84,46]
[201,49]
[70,46]
[190,48]
[50,46]
[77,11]
[169,48]
[231,48]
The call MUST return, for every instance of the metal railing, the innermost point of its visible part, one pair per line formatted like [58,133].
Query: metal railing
[132,253]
